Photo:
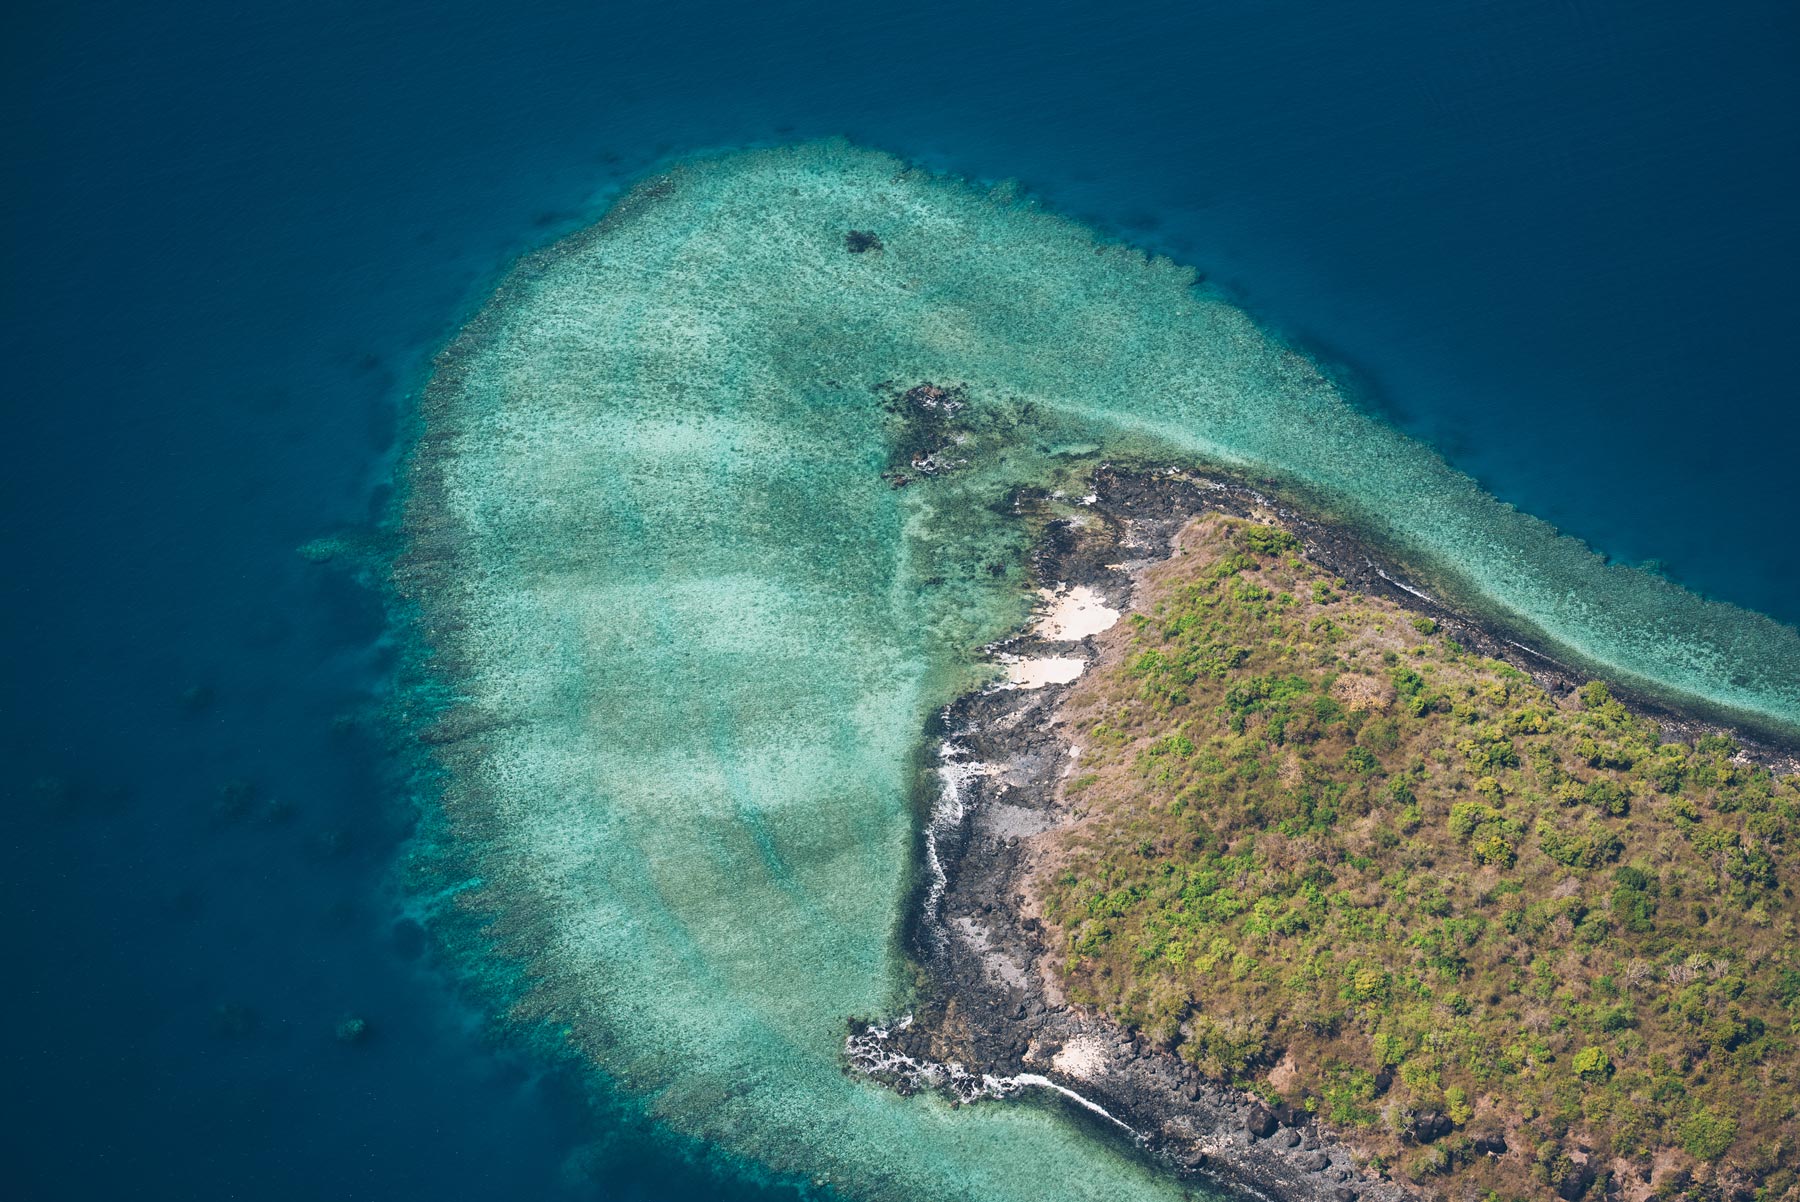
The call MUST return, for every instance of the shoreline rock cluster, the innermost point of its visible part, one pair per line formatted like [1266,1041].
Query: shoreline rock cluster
[991,1020]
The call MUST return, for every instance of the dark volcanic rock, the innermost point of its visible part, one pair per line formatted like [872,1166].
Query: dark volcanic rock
[1574,1183]
[1430,1125]
[1260,1123]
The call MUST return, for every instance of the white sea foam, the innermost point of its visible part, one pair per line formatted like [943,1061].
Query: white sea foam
[868,1052]
[954,772]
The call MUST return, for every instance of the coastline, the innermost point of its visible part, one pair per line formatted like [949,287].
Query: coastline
[575,576]
[990,1020]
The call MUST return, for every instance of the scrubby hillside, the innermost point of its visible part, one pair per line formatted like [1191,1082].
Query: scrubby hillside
[1325,851]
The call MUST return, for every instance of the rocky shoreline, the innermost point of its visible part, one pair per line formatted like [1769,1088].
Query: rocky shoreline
[990,1021]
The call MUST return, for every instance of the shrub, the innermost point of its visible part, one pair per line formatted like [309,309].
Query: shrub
[1268,540]
[1368,983]
[1456,1103]
[1592,1064]
[1427,1163]
[1531,720]
[1490,755]
[1407,683]
[1490,835]
[1175,744]
[1494,851]
[1346,1091]
[1383,734]
[1718,745]
[1226,1047]
[1608,795]
[1595,694]
[1666,770]
[1587,849]
[1466,817]
[1707,1134]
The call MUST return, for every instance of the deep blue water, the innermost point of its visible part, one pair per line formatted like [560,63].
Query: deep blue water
[1553,238]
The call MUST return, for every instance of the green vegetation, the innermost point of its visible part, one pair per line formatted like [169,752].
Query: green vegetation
[1319,830]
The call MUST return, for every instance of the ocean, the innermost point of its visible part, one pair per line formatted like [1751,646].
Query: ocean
[1550,239]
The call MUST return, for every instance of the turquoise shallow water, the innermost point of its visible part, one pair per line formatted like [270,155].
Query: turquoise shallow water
[1552,235]
[693,637]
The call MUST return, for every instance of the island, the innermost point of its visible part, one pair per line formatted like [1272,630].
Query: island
[1324,891]
[717,523]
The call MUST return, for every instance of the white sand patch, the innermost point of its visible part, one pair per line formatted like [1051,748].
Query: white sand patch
[1083,1058]
[1036,673]
[1072,613]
